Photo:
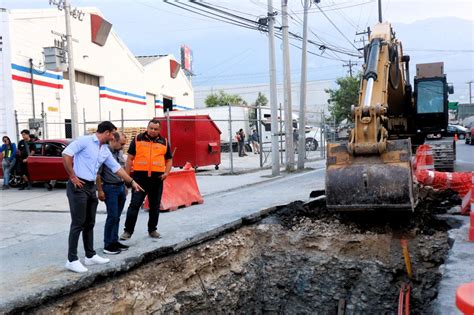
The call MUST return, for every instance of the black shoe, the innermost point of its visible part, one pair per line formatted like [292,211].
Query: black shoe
[121,246]
[22,188]
[112,250]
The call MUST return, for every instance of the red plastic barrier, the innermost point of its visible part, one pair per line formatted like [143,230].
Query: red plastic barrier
[457,181]
[180,190]
[424,158]
[465,298]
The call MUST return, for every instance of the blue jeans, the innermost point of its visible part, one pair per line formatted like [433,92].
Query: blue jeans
[7,166]
[114,201]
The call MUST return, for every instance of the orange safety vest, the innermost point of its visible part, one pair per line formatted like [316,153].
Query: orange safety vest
[150,156]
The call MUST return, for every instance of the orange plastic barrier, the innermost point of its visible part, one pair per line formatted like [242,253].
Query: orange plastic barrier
[465,298]
[180,190]
[424,158]
[468,201]
[457,181]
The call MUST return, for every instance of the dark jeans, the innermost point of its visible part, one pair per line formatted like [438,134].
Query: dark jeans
[153,188]
[83,206]
[241,148]
[115,201]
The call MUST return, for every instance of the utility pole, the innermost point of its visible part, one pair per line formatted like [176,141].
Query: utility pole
[362,40]
[71,72]
[289,148]
[380,11]
[470,92]
[350,64]
[64,4]
[273,90]
[301,120]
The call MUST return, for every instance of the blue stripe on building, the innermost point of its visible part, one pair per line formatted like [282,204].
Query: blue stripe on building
[104,88]
[36,72]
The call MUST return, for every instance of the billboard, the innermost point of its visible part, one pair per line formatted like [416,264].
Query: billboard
[187,58]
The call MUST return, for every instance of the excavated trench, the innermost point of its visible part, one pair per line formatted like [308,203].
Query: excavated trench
[300,259]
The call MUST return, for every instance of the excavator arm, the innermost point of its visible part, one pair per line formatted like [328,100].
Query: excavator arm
[370,171]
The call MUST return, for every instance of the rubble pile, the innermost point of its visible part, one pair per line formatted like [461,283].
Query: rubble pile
[301,259]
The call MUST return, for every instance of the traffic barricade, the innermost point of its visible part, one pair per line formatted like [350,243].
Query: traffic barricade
[457,181]
[424,158]
[468,200]
[465,298]
[180,190]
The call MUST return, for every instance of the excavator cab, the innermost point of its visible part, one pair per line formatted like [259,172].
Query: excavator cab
[371,171]
[431,98]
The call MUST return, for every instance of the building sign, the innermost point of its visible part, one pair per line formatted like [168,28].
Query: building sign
[100,29]
[187,58]
[35,123]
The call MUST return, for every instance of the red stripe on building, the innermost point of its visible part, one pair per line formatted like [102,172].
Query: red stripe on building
[37,82]
[121,99]
[158,106]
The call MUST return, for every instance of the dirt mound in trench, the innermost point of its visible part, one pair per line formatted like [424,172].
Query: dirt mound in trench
[302,259]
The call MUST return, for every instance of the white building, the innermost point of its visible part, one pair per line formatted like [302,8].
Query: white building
[109,77]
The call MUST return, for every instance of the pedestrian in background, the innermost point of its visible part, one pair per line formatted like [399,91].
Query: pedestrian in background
[255,142]
[8,151]
[88,153]
[26,147]
[112,190]
[241,142]
[149,154]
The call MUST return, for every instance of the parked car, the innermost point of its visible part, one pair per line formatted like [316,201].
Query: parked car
[469,137]
[47,162]
[457,129]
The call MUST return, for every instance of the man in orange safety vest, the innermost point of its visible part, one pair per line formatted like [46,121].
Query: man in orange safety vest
[149,154]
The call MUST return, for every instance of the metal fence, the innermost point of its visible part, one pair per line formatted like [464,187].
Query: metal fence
[229,124]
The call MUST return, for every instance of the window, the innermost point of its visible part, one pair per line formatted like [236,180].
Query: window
[53,149]
[37,148]
[84,78]
[429,98]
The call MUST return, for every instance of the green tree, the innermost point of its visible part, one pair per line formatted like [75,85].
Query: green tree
[222,99]
[260,101]
[341,99]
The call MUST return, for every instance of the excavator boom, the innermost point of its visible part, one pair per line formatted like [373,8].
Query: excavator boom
[371,172]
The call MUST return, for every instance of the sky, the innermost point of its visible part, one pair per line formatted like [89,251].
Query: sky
[224,54]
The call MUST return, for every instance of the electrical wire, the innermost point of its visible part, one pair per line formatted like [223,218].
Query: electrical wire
[337,28]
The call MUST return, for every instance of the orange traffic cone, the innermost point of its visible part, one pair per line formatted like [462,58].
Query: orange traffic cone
[455,137]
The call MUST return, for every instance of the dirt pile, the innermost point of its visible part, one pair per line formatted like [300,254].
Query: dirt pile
[301,259]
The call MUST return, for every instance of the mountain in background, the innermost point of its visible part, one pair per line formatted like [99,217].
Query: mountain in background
[450,40]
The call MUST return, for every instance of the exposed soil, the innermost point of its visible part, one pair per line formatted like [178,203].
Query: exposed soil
[301,259]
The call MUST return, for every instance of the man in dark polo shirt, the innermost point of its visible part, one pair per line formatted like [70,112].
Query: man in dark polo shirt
[111,189]
[26,147]
[149,154]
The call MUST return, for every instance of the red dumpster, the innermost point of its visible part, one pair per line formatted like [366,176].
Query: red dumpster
[194,139]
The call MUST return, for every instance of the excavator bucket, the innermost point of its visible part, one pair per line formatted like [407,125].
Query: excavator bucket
[370,182]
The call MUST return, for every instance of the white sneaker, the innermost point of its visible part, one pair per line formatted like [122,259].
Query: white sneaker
[96,260]
[75,266]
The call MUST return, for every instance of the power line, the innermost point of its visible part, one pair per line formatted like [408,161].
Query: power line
[337,28]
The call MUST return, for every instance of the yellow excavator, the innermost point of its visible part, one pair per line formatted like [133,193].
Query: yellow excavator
[373,169]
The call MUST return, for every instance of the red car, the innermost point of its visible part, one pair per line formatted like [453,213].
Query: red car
[47,162]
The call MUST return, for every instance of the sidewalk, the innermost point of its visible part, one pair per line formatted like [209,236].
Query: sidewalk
[33,231]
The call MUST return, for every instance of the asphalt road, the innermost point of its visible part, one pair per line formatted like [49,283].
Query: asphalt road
[464,157]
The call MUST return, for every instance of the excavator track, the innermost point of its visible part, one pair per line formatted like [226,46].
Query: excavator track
[444,154]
